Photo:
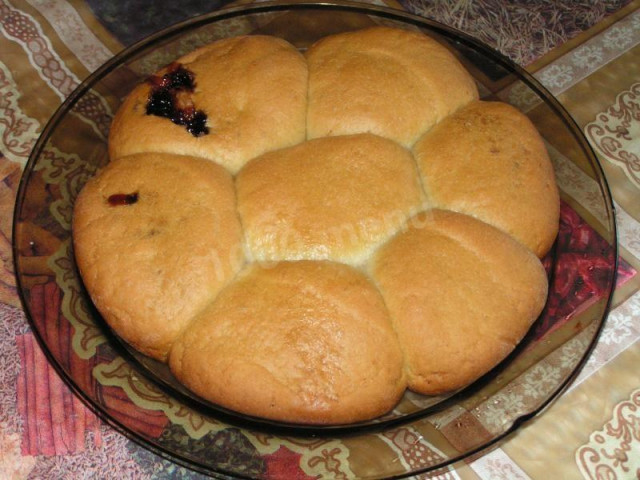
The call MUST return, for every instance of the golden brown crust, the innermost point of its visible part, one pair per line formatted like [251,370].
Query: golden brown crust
[253,91]
[152,264]
[333,198]
[391,82]
[304,341]
[461,294]
[296,335]
[488,160]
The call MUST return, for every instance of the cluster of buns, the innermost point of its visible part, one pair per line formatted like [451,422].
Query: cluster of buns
[304,236]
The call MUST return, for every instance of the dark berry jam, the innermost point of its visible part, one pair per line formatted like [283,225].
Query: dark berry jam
[118,199]
[164,101]
[177,77]
[160,103]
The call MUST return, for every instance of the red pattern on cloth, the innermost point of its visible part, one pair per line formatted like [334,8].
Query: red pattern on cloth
[284,464]
[55,421]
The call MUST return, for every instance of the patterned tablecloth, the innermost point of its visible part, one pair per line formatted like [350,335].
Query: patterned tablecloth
[586,53]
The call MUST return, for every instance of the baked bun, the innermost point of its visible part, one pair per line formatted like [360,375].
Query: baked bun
[487,160]
[156,236]
[246,96]
[391,82]
[306,341]
[333,198]
[303,237]
[461,295]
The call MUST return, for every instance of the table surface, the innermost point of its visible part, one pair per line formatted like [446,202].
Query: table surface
[587,56]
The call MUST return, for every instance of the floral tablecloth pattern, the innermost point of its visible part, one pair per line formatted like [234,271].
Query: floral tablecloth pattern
[586,53]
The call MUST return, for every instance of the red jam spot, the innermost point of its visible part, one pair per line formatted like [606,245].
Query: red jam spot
[163,100]
[118,199]
[177,77]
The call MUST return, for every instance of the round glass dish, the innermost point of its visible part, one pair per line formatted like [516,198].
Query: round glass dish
[138,397]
